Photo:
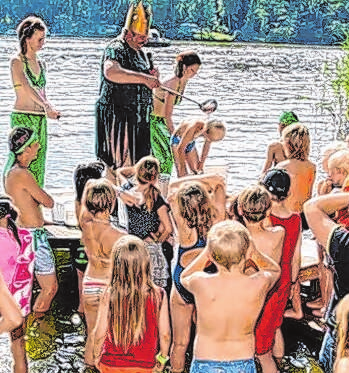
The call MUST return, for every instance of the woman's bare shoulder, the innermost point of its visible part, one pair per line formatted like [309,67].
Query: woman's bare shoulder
[16,60]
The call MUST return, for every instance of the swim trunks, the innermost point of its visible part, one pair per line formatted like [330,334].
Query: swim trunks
[160,143]
[175,140]
[93,286]
[158,263]
[234,366]
[44,259]
[38,123]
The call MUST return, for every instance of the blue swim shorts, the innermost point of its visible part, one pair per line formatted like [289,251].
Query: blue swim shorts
[234,366]
[175,140]
[44,263]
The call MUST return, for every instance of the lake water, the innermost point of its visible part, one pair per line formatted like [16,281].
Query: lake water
[252,83]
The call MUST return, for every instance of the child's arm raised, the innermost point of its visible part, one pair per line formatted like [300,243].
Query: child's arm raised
[197,265]
[264,264]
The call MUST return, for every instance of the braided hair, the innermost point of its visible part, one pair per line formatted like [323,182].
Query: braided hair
[26,30]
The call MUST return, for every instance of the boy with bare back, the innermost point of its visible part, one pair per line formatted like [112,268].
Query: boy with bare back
[246,275]
[28,197]
[98,236]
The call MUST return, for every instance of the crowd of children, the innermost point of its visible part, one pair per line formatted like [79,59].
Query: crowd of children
[255,259]
[237,260]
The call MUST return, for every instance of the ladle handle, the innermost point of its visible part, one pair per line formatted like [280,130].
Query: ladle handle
[178,94]
[150,60]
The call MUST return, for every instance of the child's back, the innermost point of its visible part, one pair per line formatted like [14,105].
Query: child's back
[237,309]
[302,175]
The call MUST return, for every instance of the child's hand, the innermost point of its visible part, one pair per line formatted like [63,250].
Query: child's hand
[200,166]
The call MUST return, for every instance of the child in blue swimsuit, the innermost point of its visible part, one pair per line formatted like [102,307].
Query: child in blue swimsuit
[197,202]
[184,147]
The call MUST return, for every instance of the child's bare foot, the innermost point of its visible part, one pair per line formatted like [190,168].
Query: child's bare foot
[315,304]
[292,314]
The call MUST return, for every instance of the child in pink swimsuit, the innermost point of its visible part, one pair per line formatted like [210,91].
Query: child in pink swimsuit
[17,266]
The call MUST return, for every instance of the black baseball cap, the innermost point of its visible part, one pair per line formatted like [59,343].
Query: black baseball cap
[277,182]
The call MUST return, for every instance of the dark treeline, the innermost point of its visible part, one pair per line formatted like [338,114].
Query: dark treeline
[294,21]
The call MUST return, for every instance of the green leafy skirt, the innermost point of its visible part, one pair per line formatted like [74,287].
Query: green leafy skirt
[160,143]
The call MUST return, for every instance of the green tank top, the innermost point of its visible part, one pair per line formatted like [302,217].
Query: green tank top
[37,82]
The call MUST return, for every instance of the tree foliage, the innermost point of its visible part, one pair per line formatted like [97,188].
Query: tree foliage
[296,21]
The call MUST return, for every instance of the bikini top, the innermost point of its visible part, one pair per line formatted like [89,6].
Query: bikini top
[177,100]
[37,82]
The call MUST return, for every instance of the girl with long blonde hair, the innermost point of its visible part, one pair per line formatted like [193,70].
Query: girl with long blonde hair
[133,317]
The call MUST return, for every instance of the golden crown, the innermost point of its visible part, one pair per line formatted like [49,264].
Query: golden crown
[138,19]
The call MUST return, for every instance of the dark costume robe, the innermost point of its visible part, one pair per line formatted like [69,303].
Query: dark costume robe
[123,110]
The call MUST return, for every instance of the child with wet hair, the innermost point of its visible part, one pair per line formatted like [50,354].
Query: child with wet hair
[197,202]
[184,146]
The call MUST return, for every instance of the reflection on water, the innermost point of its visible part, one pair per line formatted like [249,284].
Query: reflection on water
[253,84]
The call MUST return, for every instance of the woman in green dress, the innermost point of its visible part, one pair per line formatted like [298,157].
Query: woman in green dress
[161,123]
[32,107]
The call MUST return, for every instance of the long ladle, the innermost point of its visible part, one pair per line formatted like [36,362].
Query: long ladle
[208,106]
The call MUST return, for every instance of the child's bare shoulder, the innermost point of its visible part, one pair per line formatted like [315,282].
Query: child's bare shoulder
[261,278]
[275,146]
[18,173]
